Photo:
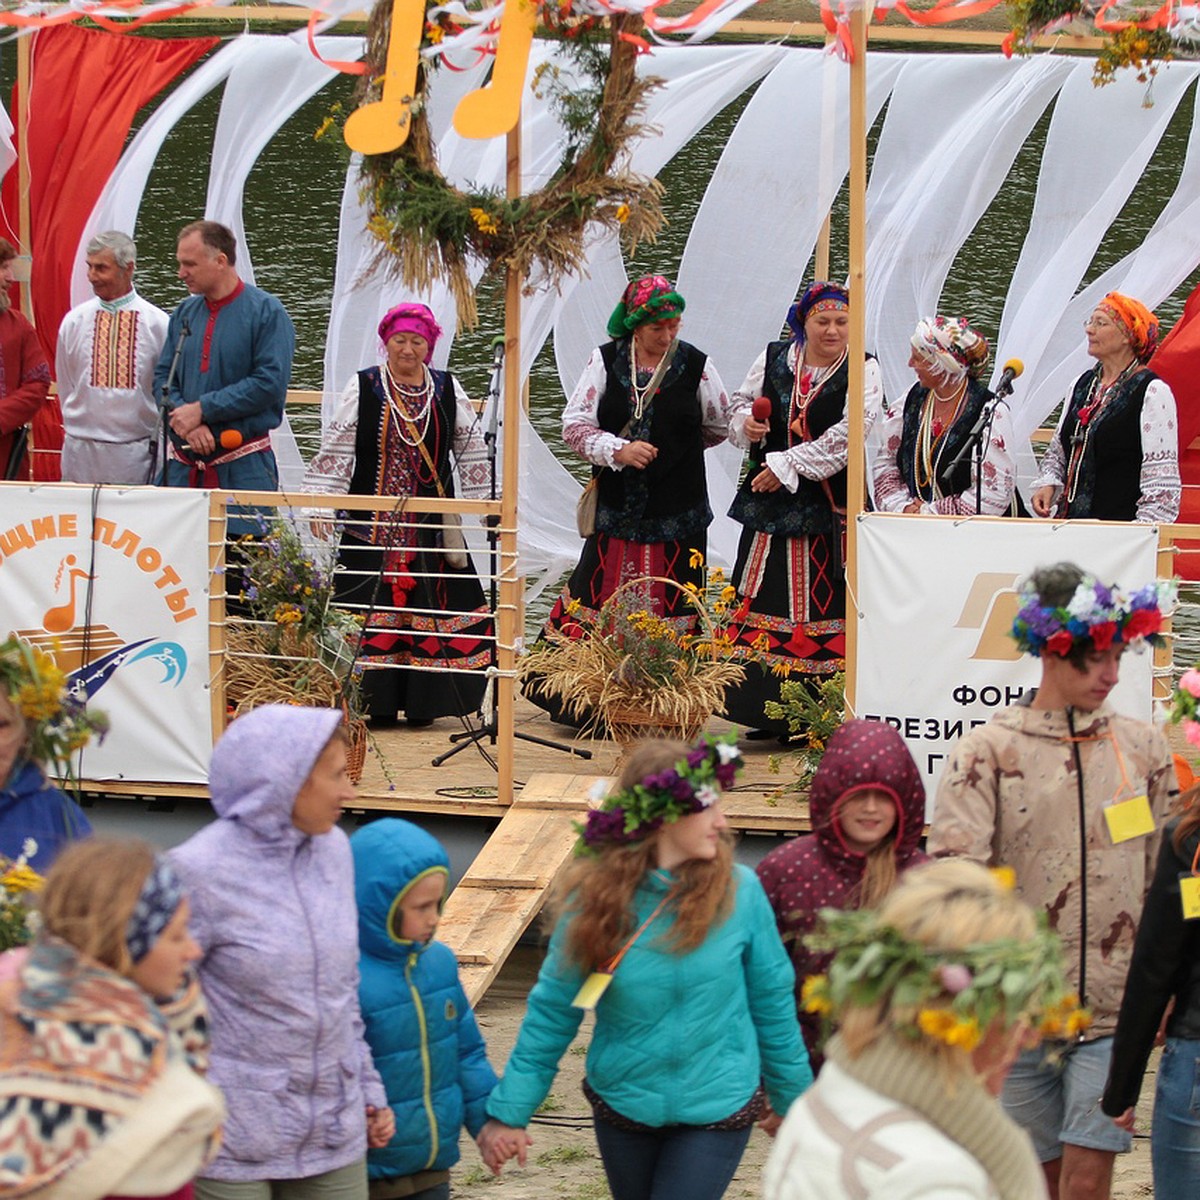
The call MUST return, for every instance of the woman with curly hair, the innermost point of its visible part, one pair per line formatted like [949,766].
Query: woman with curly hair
[675,949]
[1115,453]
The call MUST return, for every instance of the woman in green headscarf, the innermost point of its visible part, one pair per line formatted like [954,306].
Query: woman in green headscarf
[643,413]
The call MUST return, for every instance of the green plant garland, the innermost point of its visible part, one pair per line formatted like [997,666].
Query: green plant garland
[427,229]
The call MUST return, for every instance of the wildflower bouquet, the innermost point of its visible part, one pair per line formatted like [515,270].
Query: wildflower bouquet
[58,723]
[636,671]
[813,713]
[18,883]
[299,648]
[1185,703]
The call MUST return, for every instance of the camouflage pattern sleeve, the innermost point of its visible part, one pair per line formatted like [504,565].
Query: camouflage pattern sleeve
[964,810]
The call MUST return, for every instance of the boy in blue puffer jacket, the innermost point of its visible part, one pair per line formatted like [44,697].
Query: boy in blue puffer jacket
[421,1030]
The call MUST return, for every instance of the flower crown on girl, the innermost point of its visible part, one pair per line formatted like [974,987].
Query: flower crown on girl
[693,784]
[948,996]
[1102,615]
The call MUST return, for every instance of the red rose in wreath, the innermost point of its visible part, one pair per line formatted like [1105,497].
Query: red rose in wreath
[1103,634]
[1060,643]
[1142,622]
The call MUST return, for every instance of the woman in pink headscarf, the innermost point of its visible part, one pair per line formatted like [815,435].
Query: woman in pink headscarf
[396,429]
[1115,453]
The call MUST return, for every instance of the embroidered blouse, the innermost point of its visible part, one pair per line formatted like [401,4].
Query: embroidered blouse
[333,465]
[1159,477]
[581,426]
[825,455]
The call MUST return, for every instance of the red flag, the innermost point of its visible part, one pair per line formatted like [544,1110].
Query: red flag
[1177,361]
[85,91]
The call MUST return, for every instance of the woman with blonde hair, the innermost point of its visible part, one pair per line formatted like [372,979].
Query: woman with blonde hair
[934,994]
[674,948]
[105,1027]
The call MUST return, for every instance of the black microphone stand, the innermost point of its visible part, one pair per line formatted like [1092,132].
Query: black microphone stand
[978,438]
[164,404]
[490,727]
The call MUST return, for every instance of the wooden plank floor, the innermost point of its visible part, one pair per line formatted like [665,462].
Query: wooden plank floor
[399,778]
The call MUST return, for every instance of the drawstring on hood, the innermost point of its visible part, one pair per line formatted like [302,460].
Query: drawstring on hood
[263,760]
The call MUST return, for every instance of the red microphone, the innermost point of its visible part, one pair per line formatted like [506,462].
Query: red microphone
[231,439]
[760,410]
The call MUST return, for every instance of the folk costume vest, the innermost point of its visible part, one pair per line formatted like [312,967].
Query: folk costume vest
[370,460]
[807,510]
[1105,483]
[949,482]
[668,501]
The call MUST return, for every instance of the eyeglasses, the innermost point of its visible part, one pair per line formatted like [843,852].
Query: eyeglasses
[1098,323]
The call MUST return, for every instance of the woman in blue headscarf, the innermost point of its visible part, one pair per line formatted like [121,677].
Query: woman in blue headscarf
[792,503]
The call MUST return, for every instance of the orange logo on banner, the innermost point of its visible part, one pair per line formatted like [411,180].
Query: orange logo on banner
[990,607]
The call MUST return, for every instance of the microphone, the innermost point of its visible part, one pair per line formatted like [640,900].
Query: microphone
[1013,369]
[497,350]
[230,439]
[760,410]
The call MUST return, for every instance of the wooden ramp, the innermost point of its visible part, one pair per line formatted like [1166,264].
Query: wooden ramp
[505,887]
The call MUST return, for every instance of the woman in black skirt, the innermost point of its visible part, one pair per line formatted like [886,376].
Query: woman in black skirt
[397,424]
[791,615]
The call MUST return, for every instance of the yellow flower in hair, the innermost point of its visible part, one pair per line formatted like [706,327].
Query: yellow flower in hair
[1006,877]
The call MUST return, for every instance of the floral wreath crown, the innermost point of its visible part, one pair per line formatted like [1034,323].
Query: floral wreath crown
[57,723]
[1095,613]
[948,996]
[693,784]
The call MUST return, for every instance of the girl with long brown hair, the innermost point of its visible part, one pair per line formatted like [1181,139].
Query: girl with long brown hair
[675,949]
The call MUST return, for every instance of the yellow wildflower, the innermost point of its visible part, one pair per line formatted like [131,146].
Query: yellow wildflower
[814,996]
[484,221]
[322,129]
[762,643]
[729,593]
[434,34]
[573,606]
[696,559]
[622,213]
[21,878]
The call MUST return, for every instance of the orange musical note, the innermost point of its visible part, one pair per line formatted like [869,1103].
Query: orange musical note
[61,618]
[382,125]
[495,109]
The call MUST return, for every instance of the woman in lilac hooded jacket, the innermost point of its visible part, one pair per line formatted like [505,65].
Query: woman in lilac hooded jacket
[867,809]
[271,884]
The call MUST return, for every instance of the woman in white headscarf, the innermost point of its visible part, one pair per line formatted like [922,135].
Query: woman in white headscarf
[921,467]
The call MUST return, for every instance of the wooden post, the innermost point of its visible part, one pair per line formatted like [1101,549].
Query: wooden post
[24,222]
[856,467]
[509,598]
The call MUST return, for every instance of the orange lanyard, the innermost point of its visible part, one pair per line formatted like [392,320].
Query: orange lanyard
[607,968]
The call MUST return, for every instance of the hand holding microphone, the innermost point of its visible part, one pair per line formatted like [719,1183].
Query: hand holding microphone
[759,421]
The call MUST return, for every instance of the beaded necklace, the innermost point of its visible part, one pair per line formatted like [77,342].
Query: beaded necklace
[931,434]
[806,386]
[411,404]
[640,395]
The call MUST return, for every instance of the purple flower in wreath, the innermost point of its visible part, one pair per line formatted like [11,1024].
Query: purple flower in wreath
[726,772]
[604,826]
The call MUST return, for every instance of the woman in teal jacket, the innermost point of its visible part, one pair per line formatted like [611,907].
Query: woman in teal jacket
[676,950]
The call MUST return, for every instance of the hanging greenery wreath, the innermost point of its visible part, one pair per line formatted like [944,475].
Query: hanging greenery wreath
[428,229]
[1140,42]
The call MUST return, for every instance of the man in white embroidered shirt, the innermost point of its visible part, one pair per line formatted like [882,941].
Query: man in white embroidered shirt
[107,351]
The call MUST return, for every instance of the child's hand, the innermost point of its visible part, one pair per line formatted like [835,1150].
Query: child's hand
[770,1122]
[499,1142]
[381,1127]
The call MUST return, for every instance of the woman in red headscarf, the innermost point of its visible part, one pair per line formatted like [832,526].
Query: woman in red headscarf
[1115,454]
[393,434]
[643,413]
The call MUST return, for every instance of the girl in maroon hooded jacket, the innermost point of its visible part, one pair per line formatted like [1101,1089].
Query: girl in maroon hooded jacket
[867,807]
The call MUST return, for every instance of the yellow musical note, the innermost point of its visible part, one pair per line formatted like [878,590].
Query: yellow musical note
[495,109]
[382,125]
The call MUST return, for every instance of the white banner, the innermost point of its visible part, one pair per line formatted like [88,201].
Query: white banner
[114,584]
[936,599]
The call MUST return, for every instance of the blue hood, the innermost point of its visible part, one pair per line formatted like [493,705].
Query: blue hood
[261,762]
[390,855]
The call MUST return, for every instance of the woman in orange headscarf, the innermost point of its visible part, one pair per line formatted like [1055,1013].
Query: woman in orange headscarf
[1115,454]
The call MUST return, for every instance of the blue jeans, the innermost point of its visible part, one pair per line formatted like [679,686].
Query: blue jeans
[1175,1131]
[678,1162]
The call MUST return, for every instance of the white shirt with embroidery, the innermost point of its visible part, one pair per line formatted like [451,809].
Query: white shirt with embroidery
[1158,502]
[826,454]
[332,466]
[581,427]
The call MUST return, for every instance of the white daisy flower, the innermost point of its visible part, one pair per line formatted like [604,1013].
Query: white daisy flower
[707,795]
[728,753]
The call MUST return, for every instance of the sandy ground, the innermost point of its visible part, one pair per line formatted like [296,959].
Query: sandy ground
[563,1161]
